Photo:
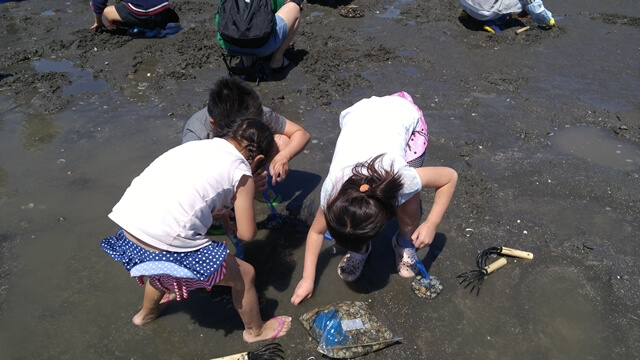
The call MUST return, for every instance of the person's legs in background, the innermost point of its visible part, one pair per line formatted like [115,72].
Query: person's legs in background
[290,12]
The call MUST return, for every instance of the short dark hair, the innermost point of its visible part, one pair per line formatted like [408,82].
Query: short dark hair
[231,100]
[363,205]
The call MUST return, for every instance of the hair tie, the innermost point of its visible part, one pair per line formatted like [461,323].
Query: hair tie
[364,187]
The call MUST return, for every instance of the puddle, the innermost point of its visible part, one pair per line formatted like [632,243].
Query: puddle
[391,13]
[372,75]
[316,13]
[439,85]
[597,146]
[81,80]
[49,12]
[38,131]
[145,71]
[411,71]
[502,103]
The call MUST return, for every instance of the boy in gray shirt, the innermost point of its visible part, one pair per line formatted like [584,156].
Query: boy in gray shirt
[230,101]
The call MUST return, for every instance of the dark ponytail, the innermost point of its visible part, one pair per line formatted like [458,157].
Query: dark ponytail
[256,137]
[364,204]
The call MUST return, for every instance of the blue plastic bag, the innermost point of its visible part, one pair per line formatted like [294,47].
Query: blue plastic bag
[347,330]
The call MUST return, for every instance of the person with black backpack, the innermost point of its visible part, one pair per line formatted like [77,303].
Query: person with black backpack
[258,28]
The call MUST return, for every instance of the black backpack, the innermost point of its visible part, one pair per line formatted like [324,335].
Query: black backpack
[245,23]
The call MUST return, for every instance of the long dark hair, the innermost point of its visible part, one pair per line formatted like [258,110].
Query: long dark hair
[364,204]
[256,137]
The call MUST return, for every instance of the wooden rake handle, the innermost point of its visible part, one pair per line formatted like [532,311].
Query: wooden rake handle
[271,351]
[515,253]
[495,265]
[240,356]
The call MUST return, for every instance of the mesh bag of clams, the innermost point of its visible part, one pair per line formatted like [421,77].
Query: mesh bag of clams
[346,330]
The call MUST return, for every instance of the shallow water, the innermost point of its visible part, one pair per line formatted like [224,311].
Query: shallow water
[598,147]
[81,80]
[565,193]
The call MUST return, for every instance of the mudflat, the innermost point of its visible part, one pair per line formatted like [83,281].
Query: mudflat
[543,128]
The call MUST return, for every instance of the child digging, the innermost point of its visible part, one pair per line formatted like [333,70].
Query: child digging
[166,211]
[376,175]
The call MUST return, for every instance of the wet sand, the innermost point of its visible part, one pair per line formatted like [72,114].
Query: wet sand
[542,127]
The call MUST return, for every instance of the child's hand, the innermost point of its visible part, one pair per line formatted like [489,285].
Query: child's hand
[260,179]
[303,291]
[229,227]
[97,26]
[98,22]
[424,235]
[279,168]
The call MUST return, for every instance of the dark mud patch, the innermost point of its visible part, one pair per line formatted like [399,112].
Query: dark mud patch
[43,91]
[617,19]
[493,104]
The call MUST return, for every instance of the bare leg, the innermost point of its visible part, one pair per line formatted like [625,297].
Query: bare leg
[247,61]
[240,277]
[150,305]
[111,14]
[290,12]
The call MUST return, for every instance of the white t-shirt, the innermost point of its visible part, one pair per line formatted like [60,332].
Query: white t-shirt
[170,204]
[369,128]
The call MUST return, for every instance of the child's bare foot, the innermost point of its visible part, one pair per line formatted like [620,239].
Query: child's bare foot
[273,328]
[142,318]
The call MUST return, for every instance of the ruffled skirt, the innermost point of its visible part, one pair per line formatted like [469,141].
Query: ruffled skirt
[168,271]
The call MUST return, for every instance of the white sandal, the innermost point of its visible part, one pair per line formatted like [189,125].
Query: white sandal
[351,265]
[406,259]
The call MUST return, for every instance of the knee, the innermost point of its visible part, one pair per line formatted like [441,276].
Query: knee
[239,273]
[290,12]
[247,273]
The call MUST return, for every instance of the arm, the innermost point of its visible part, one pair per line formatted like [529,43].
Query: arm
[98,7]
[244,212]
[538,13]
[443,180]
[315,238]
[198,127]
[98,22]
[291,142]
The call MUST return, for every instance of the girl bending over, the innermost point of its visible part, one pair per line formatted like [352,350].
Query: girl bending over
[376,175]
[166,211]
